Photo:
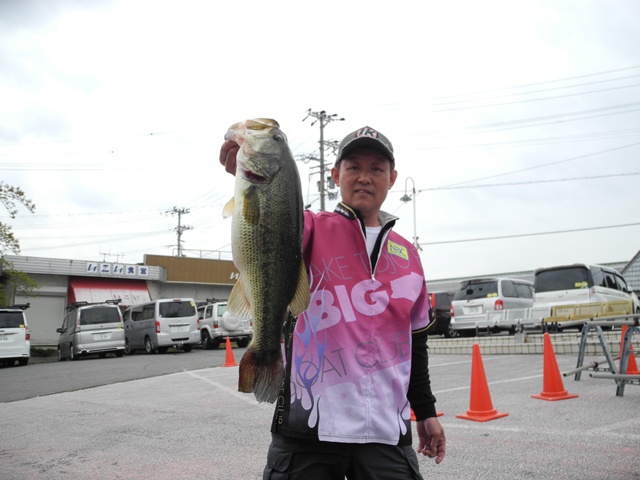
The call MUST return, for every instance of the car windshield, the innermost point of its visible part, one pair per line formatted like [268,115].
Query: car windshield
[11,320]
[471,291]
[562,279]
[177,309]
[98,315]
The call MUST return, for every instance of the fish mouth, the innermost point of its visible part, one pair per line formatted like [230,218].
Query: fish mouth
[253,177]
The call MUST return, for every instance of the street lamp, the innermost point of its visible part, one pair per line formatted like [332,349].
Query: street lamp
[406,198]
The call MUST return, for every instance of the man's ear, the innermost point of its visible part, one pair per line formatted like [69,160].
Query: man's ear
[392,178]
[335,175]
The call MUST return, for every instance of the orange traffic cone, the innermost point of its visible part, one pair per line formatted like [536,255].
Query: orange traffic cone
[552,386]
[230,361]
[481,408]
[632,366]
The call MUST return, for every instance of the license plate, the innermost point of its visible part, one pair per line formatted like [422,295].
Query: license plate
[472,310]
[101,336]
[4,338]
[180,328]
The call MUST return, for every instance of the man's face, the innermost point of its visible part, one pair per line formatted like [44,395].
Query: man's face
[365,176]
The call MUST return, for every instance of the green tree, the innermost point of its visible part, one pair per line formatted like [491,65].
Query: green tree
[11,281]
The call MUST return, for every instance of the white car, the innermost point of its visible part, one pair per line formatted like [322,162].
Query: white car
[217,324]
[15,337]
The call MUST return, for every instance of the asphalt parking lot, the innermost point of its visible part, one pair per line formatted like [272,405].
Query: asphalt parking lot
[195,425]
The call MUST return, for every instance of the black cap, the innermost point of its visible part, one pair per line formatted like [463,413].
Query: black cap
[365,137]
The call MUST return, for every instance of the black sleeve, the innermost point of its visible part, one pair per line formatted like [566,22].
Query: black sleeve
[422,401]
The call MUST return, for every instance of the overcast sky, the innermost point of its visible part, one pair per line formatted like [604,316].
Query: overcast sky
[517,122]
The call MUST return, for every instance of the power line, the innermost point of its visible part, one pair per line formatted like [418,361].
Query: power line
[534,84]
[530,234]
[546,164]
[545,140]
[524,100]
[537,121]
[530,182]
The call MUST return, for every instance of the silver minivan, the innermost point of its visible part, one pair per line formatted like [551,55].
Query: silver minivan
[91,328]
[494,304]
[160,324]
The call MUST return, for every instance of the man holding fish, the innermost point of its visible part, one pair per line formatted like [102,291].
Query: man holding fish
[355,361]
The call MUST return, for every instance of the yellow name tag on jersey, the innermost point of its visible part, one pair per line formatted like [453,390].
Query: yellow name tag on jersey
[397,250]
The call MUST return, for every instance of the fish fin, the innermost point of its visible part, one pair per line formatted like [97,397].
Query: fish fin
[227,211]
[238,304]
[260,376]
[302,296]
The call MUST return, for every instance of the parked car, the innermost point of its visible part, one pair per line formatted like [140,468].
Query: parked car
[160,324]
[482,302]
[217,324]
[15,337]
[581,291]
[441,314]
[91,328]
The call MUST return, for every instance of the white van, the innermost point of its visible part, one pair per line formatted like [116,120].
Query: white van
[15,337]
[160,324]
[493,303]
[581,291]
[91,328]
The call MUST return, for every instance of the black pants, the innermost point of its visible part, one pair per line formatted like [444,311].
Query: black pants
[297,459]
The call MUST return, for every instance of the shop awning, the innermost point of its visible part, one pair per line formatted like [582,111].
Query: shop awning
[95,290]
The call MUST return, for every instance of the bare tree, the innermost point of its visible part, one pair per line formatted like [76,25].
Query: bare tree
[12,281]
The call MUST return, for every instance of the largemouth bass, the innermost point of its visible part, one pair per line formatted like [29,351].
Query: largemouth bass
[266,243]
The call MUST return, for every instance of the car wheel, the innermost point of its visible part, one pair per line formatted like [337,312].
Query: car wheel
[148,346]
[60,357]
[449,332]
[187,348]
[206,340]
[23,361]
[102,355]
[127,347]
[242,342]
[120,353]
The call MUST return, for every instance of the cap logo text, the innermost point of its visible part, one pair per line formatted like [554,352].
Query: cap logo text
[367,132]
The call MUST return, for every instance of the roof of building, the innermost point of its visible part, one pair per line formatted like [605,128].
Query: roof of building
[631,273]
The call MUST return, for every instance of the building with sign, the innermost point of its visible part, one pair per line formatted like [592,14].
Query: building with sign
[62,282]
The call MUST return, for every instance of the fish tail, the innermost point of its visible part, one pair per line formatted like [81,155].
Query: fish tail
[261,376]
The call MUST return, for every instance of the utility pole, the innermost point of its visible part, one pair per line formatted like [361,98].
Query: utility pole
[180,228]
[324,119]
